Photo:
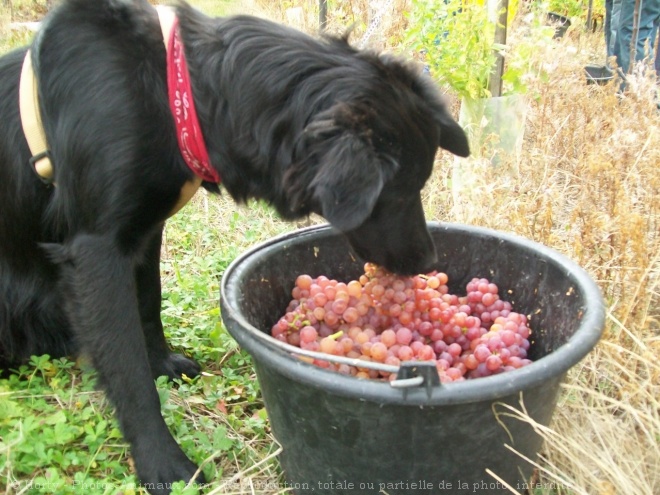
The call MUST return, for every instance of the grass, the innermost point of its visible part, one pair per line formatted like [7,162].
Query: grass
[586,183]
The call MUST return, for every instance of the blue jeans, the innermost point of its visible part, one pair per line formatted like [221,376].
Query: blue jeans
[609,21]
[648,21]
[657,52]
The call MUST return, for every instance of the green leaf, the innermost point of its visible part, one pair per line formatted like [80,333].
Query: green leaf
[57,418]
[9,408]
[220,440]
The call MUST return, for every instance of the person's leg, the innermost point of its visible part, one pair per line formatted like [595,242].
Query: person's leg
[655,44]
[608,27]
[657,53]
[650,10]
[614,28]
[651,13]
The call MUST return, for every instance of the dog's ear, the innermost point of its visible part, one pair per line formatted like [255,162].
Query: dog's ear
[452,136]
[348,182]
[349,174]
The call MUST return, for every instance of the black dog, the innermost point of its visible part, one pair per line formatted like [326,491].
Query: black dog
[307,125]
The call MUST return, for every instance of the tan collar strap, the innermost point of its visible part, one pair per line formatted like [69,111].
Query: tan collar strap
[34,131]
[166,15]
[28,100]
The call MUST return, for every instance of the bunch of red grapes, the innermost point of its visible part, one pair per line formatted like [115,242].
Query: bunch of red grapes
[388,319]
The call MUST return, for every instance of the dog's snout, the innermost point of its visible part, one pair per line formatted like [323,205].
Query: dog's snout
[400,256]
[402,244]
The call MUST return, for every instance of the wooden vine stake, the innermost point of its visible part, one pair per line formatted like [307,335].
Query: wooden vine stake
[495,83]
[637,13]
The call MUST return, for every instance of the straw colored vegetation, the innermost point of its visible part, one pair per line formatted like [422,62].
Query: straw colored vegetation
[586,183]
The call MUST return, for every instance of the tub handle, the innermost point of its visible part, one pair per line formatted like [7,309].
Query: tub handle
[409,374]
[415,374]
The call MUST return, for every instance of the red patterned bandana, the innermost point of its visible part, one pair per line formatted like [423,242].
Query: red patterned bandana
[182,105]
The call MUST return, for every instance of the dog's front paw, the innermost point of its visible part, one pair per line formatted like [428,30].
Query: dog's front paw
[176,365]
[159,467]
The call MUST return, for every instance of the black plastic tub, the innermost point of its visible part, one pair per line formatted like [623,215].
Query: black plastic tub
[560,22]
[343,435]
[598,74]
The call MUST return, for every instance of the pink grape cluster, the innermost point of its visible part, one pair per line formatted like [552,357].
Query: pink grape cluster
[388,319]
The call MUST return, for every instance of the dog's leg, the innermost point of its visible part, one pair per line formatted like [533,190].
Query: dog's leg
[100,287]
[161,359]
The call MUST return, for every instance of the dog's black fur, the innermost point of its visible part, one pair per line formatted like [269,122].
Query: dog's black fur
[311,126]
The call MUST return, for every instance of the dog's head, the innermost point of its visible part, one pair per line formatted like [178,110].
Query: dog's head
[316,126]
[364,160]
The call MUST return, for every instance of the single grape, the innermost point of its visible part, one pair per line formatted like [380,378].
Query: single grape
[308,334]
[403,336]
